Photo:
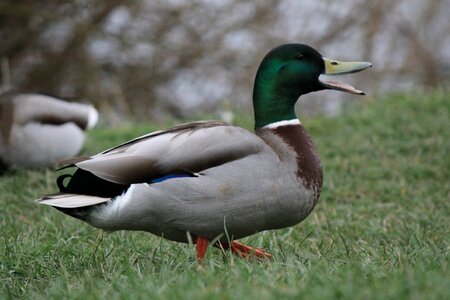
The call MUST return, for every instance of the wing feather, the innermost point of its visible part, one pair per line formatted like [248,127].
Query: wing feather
[71,200]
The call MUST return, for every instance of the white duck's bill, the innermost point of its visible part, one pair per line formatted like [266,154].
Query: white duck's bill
[336,67]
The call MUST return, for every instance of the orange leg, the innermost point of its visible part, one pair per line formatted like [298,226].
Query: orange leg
[244,251]
[202,245]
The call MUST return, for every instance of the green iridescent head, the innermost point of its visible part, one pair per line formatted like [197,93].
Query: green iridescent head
[289,71]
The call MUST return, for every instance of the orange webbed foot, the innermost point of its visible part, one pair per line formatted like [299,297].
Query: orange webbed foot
[243,250]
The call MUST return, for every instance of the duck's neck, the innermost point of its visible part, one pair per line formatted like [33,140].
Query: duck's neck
[272,104]
[269,109]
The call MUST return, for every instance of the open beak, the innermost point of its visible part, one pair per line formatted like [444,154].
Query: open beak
[335,67]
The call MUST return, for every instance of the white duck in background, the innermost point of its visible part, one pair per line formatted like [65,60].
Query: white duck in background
[38,130]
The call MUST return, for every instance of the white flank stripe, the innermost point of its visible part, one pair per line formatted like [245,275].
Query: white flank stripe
[283,123]
[120,202]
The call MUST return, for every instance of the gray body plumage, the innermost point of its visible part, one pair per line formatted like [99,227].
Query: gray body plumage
[38,130]
[244,183]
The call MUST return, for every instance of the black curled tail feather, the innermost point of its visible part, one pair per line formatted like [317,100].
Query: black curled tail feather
[60,182]
[83,182]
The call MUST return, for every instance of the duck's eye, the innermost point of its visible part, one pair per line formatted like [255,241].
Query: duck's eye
[300,56]
[334,63]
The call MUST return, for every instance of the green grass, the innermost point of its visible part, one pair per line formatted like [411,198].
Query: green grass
[380,231]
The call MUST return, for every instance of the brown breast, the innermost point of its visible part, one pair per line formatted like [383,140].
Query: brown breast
[295,137]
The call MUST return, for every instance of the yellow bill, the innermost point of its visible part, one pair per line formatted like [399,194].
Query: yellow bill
[336,67]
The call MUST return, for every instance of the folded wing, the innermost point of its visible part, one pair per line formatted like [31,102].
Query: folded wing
[191,147]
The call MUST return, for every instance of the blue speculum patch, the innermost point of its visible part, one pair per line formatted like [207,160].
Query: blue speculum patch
[171,176]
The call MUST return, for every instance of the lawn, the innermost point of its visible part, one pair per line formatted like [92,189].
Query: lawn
[381,229]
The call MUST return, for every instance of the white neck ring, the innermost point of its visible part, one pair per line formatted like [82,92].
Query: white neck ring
[282,123]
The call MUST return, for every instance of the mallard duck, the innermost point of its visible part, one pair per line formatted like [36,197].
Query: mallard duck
[210,182]
[38,130]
